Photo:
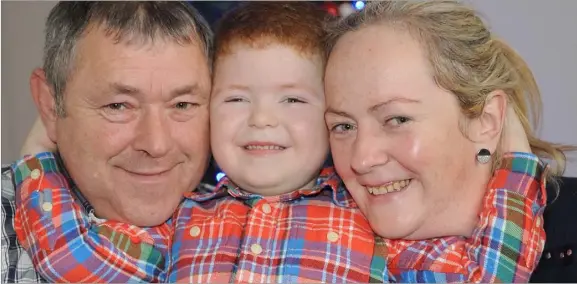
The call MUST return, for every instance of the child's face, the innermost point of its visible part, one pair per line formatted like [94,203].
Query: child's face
[267,118]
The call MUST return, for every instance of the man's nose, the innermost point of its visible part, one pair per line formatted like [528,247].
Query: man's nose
[153,133]
[369,151]
[262,116]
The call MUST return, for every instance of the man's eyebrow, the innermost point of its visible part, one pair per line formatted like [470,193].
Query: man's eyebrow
[119,88]
[185,90]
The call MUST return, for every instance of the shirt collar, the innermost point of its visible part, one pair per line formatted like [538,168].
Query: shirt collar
[84,204]
[328,181]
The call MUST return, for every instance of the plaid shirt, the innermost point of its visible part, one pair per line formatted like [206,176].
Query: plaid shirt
[69,244]
[312,235]
[16,266]
[505,247]
[252,263]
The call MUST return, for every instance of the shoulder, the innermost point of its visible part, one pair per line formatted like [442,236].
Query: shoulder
[16,264]
[559,259]
[7,183]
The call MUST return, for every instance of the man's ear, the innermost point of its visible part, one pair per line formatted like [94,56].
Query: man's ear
[43,97]
[485,130]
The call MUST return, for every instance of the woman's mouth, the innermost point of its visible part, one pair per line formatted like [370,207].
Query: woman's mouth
[390,187]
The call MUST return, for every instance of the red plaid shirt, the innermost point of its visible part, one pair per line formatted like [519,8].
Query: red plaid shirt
[313,235]
[505,247]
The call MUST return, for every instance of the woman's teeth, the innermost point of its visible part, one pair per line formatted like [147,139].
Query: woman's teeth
[390,187]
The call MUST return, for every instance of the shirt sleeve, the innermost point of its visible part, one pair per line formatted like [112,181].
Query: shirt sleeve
[65,246]
[504,247]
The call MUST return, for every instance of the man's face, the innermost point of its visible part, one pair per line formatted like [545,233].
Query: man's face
[135,135]
[267,126]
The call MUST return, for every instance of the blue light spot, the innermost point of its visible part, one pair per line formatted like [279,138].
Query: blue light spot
[219,176]
[359,5]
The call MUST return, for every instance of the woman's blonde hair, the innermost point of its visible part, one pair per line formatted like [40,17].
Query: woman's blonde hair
[466,60]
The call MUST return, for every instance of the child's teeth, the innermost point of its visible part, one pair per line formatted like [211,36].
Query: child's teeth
[268,147]
[391,187]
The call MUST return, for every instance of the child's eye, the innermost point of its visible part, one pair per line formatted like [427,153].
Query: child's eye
[397,120]
[234,100]
[293,100]
[342,128]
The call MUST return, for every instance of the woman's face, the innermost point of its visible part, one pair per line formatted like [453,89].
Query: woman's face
[395,136]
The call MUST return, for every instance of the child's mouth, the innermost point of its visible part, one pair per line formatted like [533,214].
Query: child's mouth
[264,148]
[390,187]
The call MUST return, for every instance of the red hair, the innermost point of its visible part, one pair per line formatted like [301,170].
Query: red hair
[299,25]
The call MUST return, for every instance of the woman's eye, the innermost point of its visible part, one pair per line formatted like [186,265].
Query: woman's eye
[342,128]
[398,120]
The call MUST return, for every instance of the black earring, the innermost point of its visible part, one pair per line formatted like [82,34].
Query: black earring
[483,156]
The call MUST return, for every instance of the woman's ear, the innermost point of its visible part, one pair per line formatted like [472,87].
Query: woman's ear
[45,101]
[486,129]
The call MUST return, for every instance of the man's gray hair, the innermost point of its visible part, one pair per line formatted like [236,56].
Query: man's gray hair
[128,22]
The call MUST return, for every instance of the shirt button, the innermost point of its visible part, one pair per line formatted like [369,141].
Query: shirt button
[195,231]
[266,209]
[47,206]
[256,249]
[135,240]
[35,174]
[332,237]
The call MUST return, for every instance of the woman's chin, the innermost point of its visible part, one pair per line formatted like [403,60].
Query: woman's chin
[395,230]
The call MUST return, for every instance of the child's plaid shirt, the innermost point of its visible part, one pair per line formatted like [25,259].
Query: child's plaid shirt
[228,235]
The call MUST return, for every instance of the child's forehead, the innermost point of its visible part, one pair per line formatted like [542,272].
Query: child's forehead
[263,45]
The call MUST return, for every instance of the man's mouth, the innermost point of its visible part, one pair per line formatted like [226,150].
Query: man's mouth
[148,173]
[390,187]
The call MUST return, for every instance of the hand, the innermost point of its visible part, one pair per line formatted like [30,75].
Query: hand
[37,140]
[514,135]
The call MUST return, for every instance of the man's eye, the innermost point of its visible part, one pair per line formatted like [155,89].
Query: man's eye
[185,105]
[116,106]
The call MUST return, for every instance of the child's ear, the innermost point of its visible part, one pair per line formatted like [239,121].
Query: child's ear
[43,97]
[485,130]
